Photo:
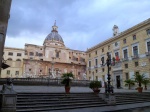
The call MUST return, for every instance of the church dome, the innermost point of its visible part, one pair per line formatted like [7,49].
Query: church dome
[54,38]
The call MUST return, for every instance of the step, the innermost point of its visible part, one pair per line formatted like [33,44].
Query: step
[60,108]
[57,105]
[59,101]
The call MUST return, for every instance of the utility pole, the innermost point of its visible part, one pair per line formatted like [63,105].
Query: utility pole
[4,16]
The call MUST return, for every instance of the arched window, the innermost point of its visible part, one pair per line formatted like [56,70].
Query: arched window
[18,60]
[9,59]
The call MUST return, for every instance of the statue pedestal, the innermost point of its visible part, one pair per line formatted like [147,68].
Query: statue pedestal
[8,99]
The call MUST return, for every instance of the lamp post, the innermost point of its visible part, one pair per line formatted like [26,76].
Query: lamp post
[109,88]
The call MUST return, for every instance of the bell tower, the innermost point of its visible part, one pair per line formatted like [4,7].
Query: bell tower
[115,30]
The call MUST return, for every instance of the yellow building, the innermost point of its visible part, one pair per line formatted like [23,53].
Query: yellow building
[14,58]
[130,49]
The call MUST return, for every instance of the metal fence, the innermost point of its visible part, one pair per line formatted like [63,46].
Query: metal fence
[44,81]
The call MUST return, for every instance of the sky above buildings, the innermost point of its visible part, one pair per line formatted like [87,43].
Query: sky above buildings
[81,23]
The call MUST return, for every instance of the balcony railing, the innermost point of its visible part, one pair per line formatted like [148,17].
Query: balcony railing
[96,66]
[147,53]
[135,57]
[117,64]
[89,68]
[125,59]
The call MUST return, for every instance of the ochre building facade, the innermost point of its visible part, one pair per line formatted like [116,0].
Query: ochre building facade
[130,51]
[50,60]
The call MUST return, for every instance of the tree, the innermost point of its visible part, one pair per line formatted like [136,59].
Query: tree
[139,79]
[66,79]
[145,82]
[129,83]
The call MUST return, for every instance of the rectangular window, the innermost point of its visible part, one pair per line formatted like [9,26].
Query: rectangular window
[40,54]
[30,69]
[136,64]
[96,52]
[109,47]
[116,44]
[117,54]
[37,53]
[89,78]
[102,59]
[134,37]
[89,72]
[10,54]
[96,77]
[148,32]
[103,69]
[17,73]
[89,63]
[127,76]
[76,59]
[57,54]
[89,55]
[125,52]
[126,65]
[8,72]
[31,53]
[96,71]
[18,54]
[124,41]
[96,62]
[103,50]
[148,46]
[135,50]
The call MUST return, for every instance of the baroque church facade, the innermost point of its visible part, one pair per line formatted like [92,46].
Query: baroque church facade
[50,60]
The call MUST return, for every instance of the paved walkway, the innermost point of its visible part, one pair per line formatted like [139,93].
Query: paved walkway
[60,89]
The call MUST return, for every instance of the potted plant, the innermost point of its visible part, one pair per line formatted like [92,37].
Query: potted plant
[139,79]
[95,85]
[145,82]
[129,83]
[66,80]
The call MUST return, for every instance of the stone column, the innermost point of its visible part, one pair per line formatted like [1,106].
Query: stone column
[4,16]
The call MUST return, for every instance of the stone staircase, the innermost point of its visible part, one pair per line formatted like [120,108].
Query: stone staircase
[130,98]
[31,102]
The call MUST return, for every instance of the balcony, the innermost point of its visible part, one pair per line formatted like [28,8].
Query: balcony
[88,68]
[96,66]
[135,57]
[147,53]
[117,66]
[125,59]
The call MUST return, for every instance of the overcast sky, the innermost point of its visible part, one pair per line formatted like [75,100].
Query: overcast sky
[81,23]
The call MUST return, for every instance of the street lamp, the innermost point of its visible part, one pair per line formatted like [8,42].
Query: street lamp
[109,88]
